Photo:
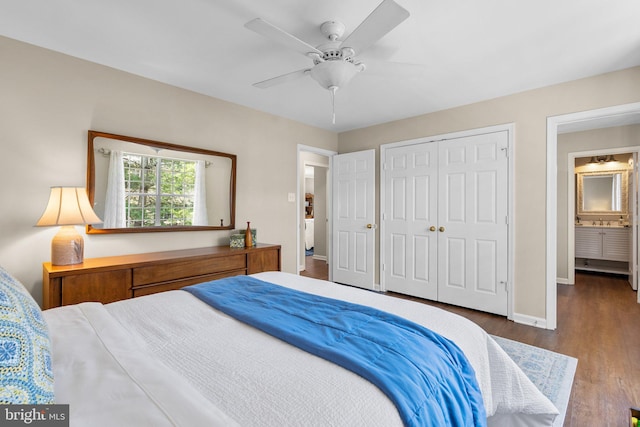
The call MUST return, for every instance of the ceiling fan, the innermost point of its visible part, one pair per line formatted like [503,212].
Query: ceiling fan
[334,62]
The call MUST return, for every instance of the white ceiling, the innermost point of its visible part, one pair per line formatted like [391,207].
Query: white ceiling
[446,54]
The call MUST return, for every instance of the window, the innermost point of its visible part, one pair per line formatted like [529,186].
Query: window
[158,191]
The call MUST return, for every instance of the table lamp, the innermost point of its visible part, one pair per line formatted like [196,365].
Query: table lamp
[68,207]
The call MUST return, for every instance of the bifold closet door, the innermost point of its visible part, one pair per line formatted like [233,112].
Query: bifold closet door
[411,187]
[445,221]
[472,214]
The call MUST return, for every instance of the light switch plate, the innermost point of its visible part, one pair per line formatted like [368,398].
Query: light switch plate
[292,197]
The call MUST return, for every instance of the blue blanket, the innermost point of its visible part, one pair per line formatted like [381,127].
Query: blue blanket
[426,375]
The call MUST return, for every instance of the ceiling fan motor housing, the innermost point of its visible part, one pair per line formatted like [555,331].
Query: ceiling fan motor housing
[332,30]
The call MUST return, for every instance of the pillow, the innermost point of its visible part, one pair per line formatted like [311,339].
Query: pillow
[26,375]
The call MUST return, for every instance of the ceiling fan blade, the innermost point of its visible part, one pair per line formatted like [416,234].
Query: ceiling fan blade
[383,19]
[274,33]
[281,79]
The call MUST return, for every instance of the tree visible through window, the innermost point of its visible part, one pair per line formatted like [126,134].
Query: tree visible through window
[158,191]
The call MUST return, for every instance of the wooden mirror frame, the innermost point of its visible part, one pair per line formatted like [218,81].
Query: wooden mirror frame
[91,183]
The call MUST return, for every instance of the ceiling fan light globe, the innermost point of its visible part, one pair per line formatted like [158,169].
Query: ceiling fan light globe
[334,73]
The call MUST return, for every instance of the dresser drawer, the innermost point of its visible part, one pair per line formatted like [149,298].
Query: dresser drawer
[174,270]
[104,287]
[179,284]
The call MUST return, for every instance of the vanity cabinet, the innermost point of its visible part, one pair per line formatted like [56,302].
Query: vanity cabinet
[603,249]
[111,279]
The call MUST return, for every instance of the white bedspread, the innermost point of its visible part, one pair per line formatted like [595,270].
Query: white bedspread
[206,356]
[109,379]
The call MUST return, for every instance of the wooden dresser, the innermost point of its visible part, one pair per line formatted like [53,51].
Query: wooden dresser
[116,278]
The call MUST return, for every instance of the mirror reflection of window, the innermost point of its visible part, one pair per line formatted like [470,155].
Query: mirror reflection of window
[148,191]
[138,185]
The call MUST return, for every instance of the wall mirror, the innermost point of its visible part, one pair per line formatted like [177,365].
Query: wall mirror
[603,192]
[139,185]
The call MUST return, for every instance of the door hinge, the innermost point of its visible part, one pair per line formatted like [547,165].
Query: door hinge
[506,219]
[383,267]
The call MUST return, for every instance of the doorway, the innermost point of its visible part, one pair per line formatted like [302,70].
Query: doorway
[593,119]
[313,207]
[315,220]
[594,200]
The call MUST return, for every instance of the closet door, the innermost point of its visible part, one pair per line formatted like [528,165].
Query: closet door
[472,219]
[410,219]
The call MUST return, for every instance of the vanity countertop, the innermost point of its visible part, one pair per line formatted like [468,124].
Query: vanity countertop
[589,225]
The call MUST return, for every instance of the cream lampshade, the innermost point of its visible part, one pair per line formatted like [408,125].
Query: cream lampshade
[67,207]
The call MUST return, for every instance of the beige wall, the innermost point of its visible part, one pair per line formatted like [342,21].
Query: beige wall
[50,100]
[598,139]
[529,111]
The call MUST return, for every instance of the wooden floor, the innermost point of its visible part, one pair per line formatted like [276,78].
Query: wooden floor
[599,324]
[315,268]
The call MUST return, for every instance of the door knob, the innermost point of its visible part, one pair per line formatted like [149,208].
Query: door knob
[371,226]
[441,229]
[432,228]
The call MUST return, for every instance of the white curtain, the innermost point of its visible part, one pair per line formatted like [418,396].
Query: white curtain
[114,210]
[200,196]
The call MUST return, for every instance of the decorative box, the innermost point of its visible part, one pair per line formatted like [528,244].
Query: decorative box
[237,241]
[254,234]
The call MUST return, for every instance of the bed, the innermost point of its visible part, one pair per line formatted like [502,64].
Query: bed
[171,359]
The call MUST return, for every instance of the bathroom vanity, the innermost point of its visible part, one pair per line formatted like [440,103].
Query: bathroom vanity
[603,248]
[602,236]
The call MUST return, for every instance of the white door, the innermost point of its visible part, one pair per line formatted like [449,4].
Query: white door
[445,226]
[354,218]
[473,222]
[410,220]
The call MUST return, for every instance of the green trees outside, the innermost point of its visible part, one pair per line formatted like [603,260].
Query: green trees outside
[158,191]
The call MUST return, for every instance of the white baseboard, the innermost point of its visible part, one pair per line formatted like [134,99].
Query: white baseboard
[562,281]
[525,319]
[319,257]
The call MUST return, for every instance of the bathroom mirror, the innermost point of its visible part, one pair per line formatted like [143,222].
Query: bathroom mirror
[602,192]
[138,185]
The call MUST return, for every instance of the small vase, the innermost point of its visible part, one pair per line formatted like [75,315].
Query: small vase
[248,238]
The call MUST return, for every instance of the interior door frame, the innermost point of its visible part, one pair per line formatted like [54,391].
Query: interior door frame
[553,123]
[300,197]
[510,129]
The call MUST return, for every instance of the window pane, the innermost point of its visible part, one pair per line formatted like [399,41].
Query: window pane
[169,205]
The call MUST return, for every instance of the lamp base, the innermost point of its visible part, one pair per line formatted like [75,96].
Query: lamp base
[67,247]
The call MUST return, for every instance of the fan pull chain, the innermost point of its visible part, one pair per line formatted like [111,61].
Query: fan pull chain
[333,90]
